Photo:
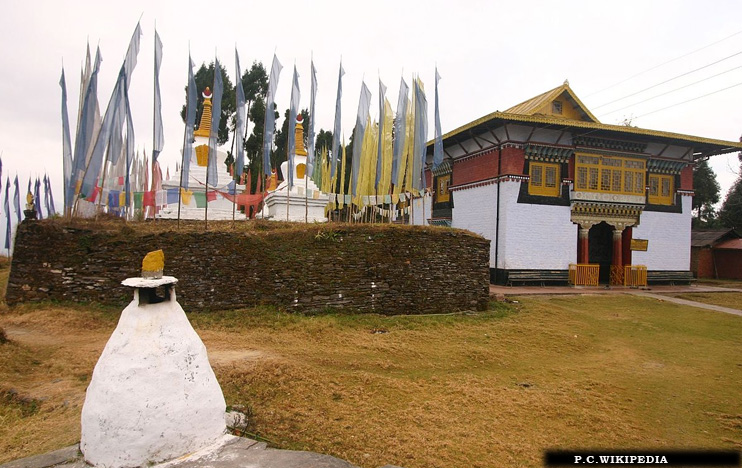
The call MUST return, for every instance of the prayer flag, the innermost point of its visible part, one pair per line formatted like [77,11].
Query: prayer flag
[270,117]
[66,141]
[190,123]
[382,95]
[438,145]
[399,132]
[216,116]
[88,127]
[364,102]
[421,136]
[172,196]
[37,199]
[336,129]
[159,136]
[312,98]
[293,110]
[240,124]
[7,215]
[17,200]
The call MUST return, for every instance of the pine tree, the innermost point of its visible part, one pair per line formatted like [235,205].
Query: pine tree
[707,190]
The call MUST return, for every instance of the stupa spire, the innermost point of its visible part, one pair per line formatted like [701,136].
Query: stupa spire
[299,134]
[204,126]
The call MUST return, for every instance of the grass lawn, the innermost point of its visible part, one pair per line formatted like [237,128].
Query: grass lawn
[492,389]
[725,299]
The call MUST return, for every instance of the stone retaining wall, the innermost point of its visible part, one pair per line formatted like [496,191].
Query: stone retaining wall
[310,268]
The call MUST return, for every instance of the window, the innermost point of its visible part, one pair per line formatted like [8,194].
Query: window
[556,107]
[660,189]
[609,174]
[544,180]
[442,194]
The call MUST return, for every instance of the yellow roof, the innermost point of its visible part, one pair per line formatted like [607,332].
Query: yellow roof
[527,112]
[536,105]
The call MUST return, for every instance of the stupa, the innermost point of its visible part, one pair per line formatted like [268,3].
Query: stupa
[193,201]
[153,396]
[303,201]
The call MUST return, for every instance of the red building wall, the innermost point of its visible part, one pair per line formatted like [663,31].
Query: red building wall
[702,262]
[513,160]
[484,166]
[475,169]
[686,178]
[728,263]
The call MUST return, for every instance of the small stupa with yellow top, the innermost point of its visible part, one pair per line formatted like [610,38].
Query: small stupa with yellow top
[153,396]
[194,199]
[303,201]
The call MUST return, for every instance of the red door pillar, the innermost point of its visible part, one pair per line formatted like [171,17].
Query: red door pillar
[617,263]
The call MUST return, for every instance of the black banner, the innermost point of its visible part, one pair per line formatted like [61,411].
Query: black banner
[668,458]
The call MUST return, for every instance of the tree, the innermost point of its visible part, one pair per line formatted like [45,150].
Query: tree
[707,191]
[205,78]
[730,213]
[324,140]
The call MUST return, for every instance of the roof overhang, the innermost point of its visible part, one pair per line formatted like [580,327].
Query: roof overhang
[702,147]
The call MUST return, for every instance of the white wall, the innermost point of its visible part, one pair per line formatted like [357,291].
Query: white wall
[418,212]
[531,236]
[669,239]
[534,236]
[475,209]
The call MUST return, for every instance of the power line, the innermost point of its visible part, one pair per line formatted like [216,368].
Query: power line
[669,80]
[671,91]
[662,64]
[689,100]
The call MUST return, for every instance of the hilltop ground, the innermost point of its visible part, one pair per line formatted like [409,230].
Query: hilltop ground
[491,389]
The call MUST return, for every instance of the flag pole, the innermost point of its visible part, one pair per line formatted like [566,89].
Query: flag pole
[234,170]
[102,183]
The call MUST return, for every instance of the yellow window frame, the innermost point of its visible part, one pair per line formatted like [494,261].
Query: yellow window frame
[544,179]
[609,174]
[661,189]
[442,195]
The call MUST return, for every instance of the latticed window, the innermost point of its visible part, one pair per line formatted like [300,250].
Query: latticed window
[544,179]
[442,195]
[609,174]
[660,189]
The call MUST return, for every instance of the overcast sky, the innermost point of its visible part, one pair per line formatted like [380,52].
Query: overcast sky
[490,54]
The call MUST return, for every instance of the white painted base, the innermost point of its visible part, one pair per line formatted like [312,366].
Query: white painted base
[153,395]
[278,206]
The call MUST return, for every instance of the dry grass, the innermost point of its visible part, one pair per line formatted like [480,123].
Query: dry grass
[730,299]
[492,389]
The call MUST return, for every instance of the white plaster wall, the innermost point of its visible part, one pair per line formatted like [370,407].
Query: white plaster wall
[418,212]
[475,210]
[534,236]
[153,395]
[669,239]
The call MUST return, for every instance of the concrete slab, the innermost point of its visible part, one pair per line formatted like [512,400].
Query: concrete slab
[700,305]
[58,457]
[235,452]
[557,290]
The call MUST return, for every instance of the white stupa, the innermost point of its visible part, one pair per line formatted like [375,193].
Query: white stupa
[221,208]
[153,396]
[303,201]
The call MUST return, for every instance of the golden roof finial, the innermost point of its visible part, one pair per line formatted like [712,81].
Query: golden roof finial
[299,134]
[153,264]
[204,126]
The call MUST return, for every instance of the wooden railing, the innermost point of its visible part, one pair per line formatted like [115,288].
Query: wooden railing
[584,274]
[635,275]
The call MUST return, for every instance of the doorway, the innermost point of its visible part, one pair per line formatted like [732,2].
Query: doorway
[600,242]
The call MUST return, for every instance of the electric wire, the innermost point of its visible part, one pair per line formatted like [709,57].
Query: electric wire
[663,64]
[671,91]
[689,100]
[669,80]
